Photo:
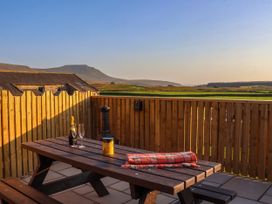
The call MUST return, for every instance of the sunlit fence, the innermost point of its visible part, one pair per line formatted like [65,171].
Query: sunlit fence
[29,118]
[236,133]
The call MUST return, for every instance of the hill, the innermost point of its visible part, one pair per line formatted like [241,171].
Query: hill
[93,75]
[85,72]
[90,74]
[11,67]
[240,84]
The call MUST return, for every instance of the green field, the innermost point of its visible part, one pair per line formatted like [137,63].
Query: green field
[248,93]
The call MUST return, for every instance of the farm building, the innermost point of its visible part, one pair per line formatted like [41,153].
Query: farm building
[39,82]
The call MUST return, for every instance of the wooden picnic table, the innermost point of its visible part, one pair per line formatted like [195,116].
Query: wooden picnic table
[144,183]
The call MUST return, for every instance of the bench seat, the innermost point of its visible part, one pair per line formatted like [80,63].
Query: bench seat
[13,191]
[212,194]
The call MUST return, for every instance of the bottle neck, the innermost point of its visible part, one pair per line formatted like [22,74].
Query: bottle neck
[72,127]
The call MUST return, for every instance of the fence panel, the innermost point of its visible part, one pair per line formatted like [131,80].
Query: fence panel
[234,132]
[28,118]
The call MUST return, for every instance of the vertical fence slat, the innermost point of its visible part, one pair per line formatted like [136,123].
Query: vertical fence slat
[229,136]
[43,116]
[113,114]
[253,155]
[64,115]
[77,107]
[269,146]
[48,124]
[1,139]
[142,129]
[127,122]
[60,116]
[181,141]
[11,130]
[147,124]
[207,131]
[200,118]
[174,135]
[29,128]
[57,115]
[168,126]
[80,109]
[89,102]
[52,115]
[152,125]
[67,117]
[214,132]
[34,124]
[5,133]
[162,125]
[39,117]
[123,121]
[23,128]
[262,141]
[157,126]
[18,134]
[222,132]
[118,122]
[132,123]
[237,138]
[193,126]
[245,139]
[92,117]
[97,116]
[187,124]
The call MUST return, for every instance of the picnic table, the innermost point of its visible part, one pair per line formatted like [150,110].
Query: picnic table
[144,183]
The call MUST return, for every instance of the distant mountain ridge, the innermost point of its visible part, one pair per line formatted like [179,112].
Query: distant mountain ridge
[11,67]
[89,74]
[239,84]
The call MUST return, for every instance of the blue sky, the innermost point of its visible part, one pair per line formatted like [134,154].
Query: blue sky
[189,42]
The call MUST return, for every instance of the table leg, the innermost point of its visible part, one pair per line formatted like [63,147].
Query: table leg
[186,197]
[98,186]
[145,196]
[76,180]
[41,171]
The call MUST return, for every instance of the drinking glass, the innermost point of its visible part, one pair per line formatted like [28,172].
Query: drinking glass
[81,133]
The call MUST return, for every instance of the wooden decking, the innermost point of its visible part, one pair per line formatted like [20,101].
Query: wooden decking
[249,191]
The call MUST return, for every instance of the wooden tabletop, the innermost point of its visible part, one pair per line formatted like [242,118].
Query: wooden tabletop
[90,158]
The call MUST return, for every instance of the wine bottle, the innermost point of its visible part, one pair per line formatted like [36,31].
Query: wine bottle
[72,133]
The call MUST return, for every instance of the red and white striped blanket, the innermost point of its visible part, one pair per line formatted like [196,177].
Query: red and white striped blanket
[161,160]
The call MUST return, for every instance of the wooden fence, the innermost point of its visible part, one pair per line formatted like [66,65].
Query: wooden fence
[236,133]
[30,117]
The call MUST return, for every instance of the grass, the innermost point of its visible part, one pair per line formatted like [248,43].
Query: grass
[247,93]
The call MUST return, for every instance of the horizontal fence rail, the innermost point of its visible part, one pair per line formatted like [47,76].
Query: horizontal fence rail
[236,133]
[28,118]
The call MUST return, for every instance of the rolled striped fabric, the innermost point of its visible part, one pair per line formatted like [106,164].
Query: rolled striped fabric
[161,160]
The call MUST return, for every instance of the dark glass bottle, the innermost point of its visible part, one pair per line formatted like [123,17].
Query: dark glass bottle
[72,133]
